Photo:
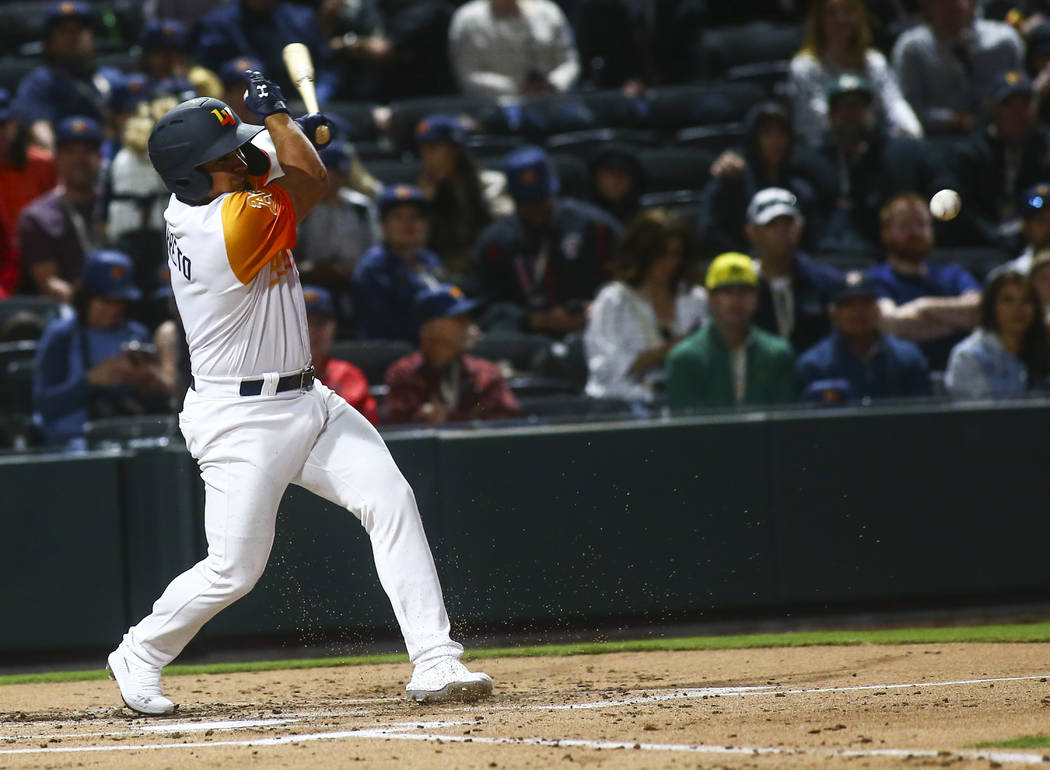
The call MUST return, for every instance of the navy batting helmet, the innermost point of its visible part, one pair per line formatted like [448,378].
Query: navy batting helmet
[193,133]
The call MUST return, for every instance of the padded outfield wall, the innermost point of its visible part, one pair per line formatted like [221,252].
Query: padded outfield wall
[641,521]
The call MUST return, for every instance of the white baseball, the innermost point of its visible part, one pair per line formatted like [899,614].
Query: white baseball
[945,205]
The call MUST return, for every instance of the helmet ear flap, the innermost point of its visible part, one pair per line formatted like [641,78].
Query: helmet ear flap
[194,187]
[258,162]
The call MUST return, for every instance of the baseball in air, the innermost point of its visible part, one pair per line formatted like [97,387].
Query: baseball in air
[945,205]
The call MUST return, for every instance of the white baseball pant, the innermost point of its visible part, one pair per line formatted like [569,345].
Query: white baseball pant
[249,449]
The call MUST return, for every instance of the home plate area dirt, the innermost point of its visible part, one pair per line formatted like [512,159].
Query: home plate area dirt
[864,706]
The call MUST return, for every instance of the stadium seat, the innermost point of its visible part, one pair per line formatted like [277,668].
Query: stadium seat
[129,431]
[373,357]
[567,405]
[771,75]
[519,349]
[614,110]
[16,386]
[678,107]
[535,385]
[713,138]
[758,41]
[394,171]
[676,168]
[16,351]
[583,143]
[45,307]
[564,359]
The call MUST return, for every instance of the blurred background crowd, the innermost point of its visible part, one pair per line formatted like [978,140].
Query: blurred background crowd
[540,209]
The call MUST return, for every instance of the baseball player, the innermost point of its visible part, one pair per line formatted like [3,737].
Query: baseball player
[254,418]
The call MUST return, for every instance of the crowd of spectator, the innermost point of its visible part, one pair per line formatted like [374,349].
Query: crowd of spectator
[607,203]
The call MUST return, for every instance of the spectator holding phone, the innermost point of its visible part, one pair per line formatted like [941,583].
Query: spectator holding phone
[97,363]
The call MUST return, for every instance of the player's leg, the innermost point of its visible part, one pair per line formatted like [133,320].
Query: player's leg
[247,457]
[351,466]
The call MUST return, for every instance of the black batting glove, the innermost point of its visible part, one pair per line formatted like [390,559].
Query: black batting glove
[263,96]
[310,123]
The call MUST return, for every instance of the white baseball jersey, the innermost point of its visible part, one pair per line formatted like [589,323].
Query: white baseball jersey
[235,280]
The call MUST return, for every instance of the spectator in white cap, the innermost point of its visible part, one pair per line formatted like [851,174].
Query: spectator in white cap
[794,289]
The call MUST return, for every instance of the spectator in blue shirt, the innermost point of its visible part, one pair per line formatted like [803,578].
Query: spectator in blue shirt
[390,275]
[97,363]
[857,361]
[1009,353]
[69,83]
[261,29]
[922,301]
[795,290]
[165,45]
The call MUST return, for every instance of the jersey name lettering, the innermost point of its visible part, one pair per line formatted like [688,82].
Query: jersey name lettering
[260,200]
[179,261]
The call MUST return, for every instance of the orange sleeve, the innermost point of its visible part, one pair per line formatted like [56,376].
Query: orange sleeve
[257,226]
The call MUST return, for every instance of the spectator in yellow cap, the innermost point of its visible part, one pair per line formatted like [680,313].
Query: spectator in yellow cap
[730,361]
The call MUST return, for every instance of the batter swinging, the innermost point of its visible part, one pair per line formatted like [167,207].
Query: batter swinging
[254,418]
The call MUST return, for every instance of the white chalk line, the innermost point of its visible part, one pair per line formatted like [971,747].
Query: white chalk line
[390,731]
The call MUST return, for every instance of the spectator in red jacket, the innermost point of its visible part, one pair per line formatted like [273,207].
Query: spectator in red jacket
[341,376]
[439,382]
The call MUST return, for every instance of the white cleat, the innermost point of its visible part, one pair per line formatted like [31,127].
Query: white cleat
[139,684]
[447,679]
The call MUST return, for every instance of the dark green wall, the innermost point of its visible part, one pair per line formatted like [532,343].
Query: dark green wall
[657,519]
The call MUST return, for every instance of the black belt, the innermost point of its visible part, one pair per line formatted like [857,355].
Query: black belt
[303,380]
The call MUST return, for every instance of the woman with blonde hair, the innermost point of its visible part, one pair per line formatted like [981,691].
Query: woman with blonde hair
[654,302]
[838,41]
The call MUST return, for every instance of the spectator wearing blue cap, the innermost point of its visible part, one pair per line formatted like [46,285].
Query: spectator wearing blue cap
[69,82]
[235,82]
[440,383]
[96,363]
[463,198]
[165,45]
[540,268]
[1008,354]
[857,361]
[341,376]
[931,303]
[261,29]
[340,229]
[390,275]
[57,230]
[512,47]
[26,173]
[1034,210]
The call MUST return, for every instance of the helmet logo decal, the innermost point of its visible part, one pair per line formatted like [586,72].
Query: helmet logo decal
[223,116]
[261,200]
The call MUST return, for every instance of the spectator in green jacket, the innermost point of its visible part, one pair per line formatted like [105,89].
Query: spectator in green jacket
[730,362]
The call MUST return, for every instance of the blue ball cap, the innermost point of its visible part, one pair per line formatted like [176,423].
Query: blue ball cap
[530,175]
[109,273]
[440,128]
[336,156]
[233,71]
[69,9]
[1009,83]
[78,128]
[401,195]
[318,300]
[442,302]
[165,34]
[130,91]
[855,284]
[1034,200]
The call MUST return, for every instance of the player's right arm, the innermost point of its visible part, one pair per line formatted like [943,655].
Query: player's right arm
[305,178]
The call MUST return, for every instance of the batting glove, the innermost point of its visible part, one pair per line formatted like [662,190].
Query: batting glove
[263,96]
[310,123]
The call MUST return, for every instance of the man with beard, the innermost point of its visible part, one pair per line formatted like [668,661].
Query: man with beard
[60,228]
[871,167]
[926,302]
[68,83]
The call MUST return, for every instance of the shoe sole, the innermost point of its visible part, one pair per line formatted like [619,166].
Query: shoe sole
[174,708]
[454,691]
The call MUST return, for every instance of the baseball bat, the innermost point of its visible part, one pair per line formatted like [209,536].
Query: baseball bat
[301,70]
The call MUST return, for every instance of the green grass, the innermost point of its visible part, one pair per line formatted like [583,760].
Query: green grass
[1041,741]
[1022,632]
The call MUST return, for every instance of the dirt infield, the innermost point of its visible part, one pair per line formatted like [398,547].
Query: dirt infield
[865,706]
